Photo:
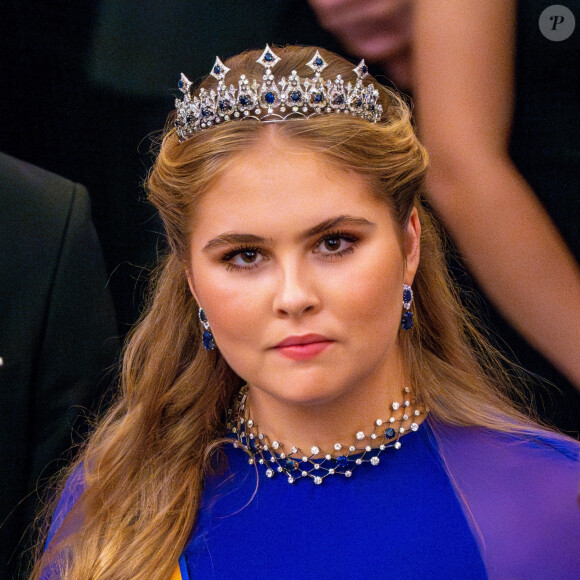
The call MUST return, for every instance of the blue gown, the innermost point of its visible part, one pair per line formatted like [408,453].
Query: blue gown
[453,502]
[398,519]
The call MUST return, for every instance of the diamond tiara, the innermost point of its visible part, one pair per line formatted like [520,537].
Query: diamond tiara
[271,101]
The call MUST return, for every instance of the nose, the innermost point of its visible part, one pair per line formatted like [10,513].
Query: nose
[297,291]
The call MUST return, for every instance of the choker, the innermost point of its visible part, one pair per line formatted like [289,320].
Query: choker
[316,464]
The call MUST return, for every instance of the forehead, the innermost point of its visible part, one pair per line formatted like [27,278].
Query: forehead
[277,185]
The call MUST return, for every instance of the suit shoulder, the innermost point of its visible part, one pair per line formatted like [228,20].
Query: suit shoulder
[28,190]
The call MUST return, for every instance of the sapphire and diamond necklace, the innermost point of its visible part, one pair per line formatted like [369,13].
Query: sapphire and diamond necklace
[317,464]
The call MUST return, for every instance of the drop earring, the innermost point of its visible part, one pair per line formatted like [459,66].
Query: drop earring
[407,318]
[208,341]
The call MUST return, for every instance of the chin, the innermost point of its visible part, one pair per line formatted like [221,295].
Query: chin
[314,390]
[310,398]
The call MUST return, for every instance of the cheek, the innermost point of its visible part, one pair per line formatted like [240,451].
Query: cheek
[234,324]
[234,310]
[375,297]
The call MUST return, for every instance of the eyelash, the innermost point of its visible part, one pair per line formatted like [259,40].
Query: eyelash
[226,259]
[353,240]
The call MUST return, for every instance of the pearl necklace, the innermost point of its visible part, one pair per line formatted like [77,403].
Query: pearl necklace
[317,465]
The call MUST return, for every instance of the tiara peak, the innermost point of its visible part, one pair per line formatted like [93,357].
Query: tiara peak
[269,101]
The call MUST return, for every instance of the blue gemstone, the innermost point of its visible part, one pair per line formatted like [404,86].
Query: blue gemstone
[407,295]
[291,465]
[268,57]
[208,341]
[295,96]
[318,97]
[202,316]
[205,112]
[364,69]
[358,103]
[180,84]
[338,100]
[224,104]
[342,462]
[244,100]
[217,69]
[269,97]
[318,62]
[407,321]
[389,432]
[188,119]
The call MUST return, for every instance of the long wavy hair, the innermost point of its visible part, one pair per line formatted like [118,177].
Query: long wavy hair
[143,467]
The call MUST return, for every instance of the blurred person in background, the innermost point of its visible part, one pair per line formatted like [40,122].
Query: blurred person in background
[58,339]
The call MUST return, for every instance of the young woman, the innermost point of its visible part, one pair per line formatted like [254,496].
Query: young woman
[305,395]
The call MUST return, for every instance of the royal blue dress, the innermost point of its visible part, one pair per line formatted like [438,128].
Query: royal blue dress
[398,519]
[453,502]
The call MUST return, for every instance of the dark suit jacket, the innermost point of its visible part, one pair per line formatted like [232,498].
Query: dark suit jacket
[57,334]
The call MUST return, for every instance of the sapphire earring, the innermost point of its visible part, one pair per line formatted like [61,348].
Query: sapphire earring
[407,318]
[208,341]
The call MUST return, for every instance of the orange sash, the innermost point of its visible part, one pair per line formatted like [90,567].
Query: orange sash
[177,574]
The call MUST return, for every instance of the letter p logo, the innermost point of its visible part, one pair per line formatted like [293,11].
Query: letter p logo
[557,19]
[557,22]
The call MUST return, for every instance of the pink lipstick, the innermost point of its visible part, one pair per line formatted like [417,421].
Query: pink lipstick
[303,347]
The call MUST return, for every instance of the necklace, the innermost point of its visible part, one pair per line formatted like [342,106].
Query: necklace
[316,464]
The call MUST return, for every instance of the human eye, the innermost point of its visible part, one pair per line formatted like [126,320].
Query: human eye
[336,244]
[242,258]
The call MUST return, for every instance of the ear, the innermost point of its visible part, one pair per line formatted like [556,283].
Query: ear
[412,238]
[190,283]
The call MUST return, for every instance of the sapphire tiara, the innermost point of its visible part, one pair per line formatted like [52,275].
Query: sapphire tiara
[271,101]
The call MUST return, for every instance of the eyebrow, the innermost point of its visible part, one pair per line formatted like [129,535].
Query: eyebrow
[233,239]
[228,239]
[341,220]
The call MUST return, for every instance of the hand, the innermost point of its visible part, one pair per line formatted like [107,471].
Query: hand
[377,30]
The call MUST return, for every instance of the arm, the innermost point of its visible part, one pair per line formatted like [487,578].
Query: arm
[464,68]
[376,30]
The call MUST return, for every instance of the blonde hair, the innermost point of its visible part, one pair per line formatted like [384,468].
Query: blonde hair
[145,464]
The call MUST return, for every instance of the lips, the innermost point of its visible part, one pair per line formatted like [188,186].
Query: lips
[303,347]
[301,340]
